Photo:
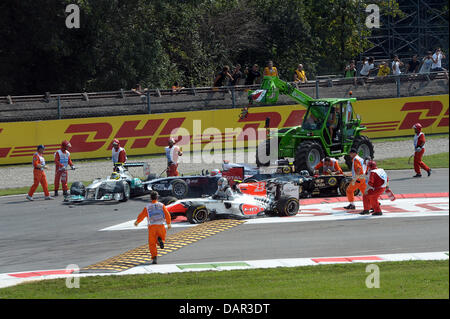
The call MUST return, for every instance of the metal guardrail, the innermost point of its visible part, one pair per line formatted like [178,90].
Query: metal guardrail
[127,102]
[320,81]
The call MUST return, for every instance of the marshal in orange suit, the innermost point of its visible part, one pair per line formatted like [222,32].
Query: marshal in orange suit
[358,178]
[156,214]
[39,176]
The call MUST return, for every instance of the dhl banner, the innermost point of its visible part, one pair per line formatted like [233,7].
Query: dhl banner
[195,130]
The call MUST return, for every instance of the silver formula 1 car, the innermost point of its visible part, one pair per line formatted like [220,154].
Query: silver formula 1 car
[119,186]
[281,200]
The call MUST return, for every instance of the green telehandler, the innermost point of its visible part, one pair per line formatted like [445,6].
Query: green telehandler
[330,128]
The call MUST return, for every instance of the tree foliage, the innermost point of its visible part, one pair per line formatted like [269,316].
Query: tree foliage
[155,42]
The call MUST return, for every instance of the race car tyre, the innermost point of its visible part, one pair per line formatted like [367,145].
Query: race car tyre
[197,214]
[78,188]
[307,156]
[364,148]
[125,192]
[179,188]
[344,185]
[287,206]
[168,200]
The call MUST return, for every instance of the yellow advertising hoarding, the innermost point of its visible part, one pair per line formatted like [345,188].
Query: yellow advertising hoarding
[148,134]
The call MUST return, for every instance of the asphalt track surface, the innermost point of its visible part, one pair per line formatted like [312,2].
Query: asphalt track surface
[43,235]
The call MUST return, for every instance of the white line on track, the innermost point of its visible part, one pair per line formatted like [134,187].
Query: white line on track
[401,208]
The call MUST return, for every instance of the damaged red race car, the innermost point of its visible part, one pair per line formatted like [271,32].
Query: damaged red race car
[281,199]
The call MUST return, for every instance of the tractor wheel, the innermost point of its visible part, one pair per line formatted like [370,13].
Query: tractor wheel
[264,148]
[348,161]
[307,156]
[364,149]
[197,214]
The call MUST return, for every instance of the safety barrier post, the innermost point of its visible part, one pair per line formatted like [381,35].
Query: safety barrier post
[59,107]
[149,109]
[317,89]
[233,98]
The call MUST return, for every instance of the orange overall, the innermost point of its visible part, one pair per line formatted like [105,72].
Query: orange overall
[172,170]
[359,181]
[334,167]
[172,154]
[156,214]
[39,175]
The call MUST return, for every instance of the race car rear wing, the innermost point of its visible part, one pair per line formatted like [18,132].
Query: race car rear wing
[145,166]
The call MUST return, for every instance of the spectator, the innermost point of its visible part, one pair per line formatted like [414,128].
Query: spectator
[237,74]
[437,58]
[426,63]
[367,67]
[176,87]
[252,74]
[137,89]
[396,64]
[413,65]
[270,70]
[384,69]
[222,76]
[350,71]
[299,75]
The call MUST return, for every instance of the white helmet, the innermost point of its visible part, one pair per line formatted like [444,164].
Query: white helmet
[222,183]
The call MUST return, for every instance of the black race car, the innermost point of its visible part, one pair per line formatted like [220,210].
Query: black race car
[309,186]
[192,186]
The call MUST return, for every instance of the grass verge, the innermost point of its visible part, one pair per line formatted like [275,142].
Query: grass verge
[24,190]
[408,138]
[439,160]
[397,280]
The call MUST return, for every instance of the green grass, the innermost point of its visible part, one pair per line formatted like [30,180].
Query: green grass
[439,160]
[408,138]
[25,189]
[397,280]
